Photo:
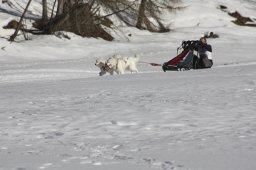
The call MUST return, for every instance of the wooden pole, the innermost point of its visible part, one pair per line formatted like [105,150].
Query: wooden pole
[19,25]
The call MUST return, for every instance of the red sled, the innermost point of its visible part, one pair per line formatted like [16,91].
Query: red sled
[183,61]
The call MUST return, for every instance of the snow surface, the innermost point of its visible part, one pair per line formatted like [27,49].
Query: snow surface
[56,113]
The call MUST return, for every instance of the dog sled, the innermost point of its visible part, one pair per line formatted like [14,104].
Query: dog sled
[185,60]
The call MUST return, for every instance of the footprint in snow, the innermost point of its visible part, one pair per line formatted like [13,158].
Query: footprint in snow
[122,157]
[149,160]
[119,123]
[166,165]
[251,82]
[20,168]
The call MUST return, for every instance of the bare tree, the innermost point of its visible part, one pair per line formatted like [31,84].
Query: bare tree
[153,9]
[123,9]
[84,17]
[80,18]
[65,5]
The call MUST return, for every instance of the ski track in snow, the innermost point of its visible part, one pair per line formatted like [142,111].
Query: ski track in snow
[24,72]
[43,74]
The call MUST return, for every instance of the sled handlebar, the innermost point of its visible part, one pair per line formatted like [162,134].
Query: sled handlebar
[191,44]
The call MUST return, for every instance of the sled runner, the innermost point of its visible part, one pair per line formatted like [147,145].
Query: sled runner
[186,60]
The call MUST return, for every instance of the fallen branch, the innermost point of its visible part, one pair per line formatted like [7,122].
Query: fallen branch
[19,25]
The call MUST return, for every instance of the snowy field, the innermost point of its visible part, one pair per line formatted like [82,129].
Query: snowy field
[56,113]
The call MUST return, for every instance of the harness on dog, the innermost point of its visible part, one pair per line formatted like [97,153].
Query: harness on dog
[105,68]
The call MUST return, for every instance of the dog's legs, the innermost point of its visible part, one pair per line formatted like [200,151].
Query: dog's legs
[111,72]
[120,72]
[134,71]
[133,68]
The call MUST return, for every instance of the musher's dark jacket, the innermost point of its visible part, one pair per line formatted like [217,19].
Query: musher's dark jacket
[205,55]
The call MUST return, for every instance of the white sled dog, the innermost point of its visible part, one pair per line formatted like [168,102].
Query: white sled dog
[121,64]
[104,68]
[101,62]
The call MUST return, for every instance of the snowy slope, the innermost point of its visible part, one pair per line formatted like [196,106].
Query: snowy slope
[184,120]
[56,113]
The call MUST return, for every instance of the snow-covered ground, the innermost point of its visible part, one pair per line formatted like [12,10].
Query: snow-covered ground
[56,113]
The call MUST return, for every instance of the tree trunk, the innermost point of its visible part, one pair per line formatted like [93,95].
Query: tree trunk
[60,7]
[19,25]
[65,6]
[44,15]
[55,1]
[141,14]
